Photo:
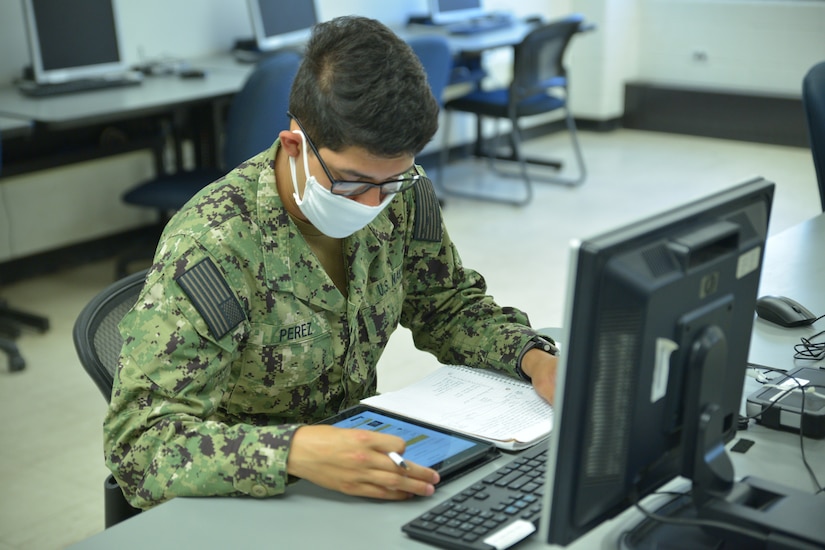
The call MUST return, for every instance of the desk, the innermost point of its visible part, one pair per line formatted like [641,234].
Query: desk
[795,267]
[157,94]
[14,127]
[472,43]
[311,517]
[167,97]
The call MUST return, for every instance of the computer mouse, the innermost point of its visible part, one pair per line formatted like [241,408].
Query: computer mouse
[784,311]
[192,73]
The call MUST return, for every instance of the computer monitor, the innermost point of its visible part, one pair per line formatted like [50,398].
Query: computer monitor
[277,24]
[73,39]
[450,11]
[651,377]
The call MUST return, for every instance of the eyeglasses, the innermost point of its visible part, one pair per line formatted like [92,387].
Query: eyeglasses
[353,188]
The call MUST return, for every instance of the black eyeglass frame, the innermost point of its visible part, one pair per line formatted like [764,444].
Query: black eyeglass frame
[340,187]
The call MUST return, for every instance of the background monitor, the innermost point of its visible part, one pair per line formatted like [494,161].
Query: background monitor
[277,24]
[72,39]
[449,11]
[651,378]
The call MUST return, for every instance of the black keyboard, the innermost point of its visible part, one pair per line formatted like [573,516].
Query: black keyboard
[485,23]
[504,506]
[34,89]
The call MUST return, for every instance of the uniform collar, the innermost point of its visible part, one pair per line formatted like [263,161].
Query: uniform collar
[290,266]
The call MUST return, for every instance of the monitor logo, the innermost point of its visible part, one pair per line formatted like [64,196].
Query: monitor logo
[709,284]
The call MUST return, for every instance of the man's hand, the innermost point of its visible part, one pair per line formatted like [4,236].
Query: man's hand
[541,368]
[355,462]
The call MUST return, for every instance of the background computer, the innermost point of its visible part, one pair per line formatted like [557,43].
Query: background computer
[277,24]
[650,385]
[73,40]
[443,12]
[467,16]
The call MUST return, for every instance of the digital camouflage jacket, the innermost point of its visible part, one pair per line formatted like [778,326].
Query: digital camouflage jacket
[239,336]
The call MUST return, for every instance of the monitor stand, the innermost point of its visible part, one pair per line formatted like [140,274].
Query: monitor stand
[749,514]
[764,515]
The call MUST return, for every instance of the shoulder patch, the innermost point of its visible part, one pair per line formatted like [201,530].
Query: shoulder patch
[427,225]
[211,296]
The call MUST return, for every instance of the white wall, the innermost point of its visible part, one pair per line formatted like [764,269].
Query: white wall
[763,46]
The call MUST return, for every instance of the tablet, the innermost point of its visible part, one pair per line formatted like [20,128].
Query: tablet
[450,454]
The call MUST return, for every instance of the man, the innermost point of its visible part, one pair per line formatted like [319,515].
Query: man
[275,290]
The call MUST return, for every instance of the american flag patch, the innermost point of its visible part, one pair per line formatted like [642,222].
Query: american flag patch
[427,225]
[210,295]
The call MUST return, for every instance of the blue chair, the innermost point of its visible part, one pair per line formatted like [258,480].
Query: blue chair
[539,85]
[256,115]
[434,52]
[813,100]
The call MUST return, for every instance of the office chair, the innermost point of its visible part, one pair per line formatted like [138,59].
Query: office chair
[539,85]
[434,52]
[813,100]
[256,114]
[12,322]
[97,342]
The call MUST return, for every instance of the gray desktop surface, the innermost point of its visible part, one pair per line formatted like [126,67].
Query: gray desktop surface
[224,77]
[311,517]
[795,267]
[156,94]
[472,43]
[11,126]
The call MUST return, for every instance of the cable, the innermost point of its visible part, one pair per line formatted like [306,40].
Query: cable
[808,349]
[803,389]
[690,522]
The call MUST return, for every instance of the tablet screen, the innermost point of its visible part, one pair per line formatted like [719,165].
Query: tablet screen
[425,445]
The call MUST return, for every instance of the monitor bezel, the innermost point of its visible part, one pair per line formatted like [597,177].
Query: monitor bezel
[53,76]
[268,43]
[440,17]
[705,209]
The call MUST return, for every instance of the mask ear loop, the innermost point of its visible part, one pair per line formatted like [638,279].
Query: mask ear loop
[292,171]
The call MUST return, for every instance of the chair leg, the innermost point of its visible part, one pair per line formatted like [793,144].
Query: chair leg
[115,506]
[479,151]
[581,170]
[16,361]
[526,161]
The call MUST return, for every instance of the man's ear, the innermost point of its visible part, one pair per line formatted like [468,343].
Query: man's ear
[290,142]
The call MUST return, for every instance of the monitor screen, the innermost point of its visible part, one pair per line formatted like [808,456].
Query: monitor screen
[650,380]
[70,39]
[277,24]
[448,11]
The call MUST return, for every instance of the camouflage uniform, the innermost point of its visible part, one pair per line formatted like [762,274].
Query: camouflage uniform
[240,336]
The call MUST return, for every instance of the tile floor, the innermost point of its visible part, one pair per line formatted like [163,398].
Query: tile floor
[51,466]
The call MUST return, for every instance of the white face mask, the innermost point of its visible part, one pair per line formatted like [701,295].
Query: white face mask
[333,215]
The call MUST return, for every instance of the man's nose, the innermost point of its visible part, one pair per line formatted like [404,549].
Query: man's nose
[371,197]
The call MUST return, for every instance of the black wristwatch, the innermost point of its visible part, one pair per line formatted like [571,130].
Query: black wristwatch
[543,343]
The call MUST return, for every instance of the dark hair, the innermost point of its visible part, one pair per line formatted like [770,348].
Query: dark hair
[361,85]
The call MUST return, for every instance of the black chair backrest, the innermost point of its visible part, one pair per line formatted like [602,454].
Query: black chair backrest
[96,336]
[813,98]
[538,61]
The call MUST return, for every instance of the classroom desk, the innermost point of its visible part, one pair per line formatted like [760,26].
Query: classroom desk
[175,98]
[794,267]
[472,43]
[13,127]
[311,517]
[169,98]
[157,94]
